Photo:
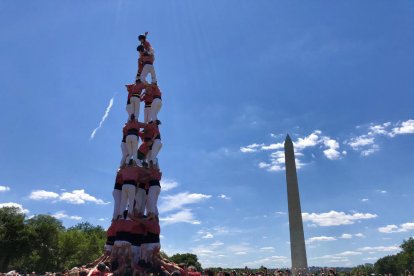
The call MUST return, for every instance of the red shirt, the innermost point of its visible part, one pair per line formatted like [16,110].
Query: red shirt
[147,46]
[134,90]
[151,131]
[154,91]
[153,226]
[125,225]
[147,98]
[155,174]
[130,173]
[132,125]
[119,179]
[137,228]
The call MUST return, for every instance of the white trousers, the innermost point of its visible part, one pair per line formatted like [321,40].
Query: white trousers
[124,153]
[134,107]
[153,193]
[136,253]
[148,249]
[153,153]
[147,114]
[132,146]
[127,198]
[117,202]
[155,108]
[140,200]
[148,69]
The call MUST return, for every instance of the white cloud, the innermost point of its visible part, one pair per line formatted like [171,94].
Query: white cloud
[346,236]
[382,191]
[74,197]
[178,201]
[80,197]
[4,189]
[267,248]
[62,214]
[331,152]
[309,141]
[360,235]
[208,235]
[42,195]
[167,184]
[15,205]
[223,196]
[273,146]
[406,127]
[320,239]
[364,199]
[108,109]
[367,152]
[251,148]
[334,218]
[361,141]
[184,215]
[392,228]
[348,253]
[391,248]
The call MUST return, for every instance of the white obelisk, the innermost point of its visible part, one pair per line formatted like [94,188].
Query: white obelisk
[297,238]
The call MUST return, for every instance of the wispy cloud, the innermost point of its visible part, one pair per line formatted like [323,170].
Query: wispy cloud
[73,197]
[168,184]
[185,215]
[334,218]
[108,109]
[62,214]
[392,228]
[4,189]
[178,201]
[223,196]
[320,239]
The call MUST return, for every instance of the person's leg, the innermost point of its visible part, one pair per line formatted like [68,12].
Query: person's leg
[117,202]
[147,112]
[131,197]
[129,109]
[124,153]
[135,103]
[148,69]
[129,146]
[135,148]
[132,146]
[155,108]
[124,200]
[140,199]
[156,147]
[136,254]
[153,193]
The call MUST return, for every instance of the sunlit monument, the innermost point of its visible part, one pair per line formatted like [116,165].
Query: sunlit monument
[297,239]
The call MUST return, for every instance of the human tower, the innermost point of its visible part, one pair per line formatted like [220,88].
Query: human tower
[135,228]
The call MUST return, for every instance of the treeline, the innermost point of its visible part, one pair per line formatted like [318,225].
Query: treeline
[398,264]
[41,243]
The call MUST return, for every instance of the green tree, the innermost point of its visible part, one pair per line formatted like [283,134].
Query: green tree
[14,238]
[365,269]
[387,264]
[188,259]
[44,233]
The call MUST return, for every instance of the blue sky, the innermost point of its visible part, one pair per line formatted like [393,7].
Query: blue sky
[236,77]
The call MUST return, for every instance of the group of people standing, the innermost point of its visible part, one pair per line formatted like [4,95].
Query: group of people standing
[135,224]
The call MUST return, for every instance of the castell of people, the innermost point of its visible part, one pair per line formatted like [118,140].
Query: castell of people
[206,138]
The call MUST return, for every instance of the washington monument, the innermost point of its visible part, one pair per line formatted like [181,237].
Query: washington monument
[297,239]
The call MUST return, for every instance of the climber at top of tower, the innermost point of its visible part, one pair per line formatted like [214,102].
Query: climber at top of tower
[145,66]
[147,46]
